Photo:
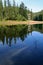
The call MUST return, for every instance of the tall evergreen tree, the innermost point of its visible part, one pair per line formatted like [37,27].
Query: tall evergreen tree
[4,3]
[8,2]
[14,12]
[13,3]
[5,9]
[1,9]
[8,10]
[23,10]
[40,17]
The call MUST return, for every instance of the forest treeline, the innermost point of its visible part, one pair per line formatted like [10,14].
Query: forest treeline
[38,16]
[12,11]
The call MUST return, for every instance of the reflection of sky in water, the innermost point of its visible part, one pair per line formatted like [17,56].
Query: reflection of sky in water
[22,48]
[29,51]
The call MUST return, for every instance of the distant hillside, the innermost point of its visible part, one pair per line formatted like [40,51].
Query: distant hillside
[37,13]
[38,16]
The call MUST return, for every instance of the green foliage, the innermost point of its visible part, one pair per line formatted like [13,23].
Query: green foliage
[20,17]
[8,3]
[23,10]
[4,3]
[13,31]
[13,3]
[38,16]
[9,12]
[1,10]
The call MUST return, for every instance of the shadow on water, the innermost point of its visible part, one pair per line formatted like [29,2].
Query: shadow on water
[21,45]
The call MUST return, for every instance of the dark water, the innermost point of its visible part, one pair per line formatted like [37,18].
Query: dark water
[21,45]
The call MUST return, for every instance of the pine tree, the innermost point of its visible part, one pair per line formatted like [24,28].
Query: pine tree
[23,10]
[13,3]
[4,3]
[9,10]
[1,9]
[5,9]
[8,2]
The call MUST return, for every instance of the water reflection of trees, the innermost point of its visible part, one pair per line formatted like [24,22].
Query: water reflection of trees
[38,27]
[13,32]
[19,31]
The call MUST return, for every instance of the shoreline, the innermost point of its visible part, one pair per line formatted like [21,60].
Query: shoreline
[10,23]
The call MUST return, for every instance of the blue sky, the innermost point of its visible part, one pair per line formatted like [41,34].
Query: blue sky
[35,5]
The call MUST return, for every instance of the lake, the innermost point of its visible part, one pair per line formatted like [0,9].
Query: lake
[21,45]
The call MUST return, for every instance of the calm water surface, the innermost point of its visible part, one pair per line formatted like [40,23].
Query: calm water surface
[21,45]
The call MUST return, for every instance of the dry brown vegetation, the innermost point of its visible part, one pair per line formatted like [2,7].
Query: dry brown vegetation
[4,23]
